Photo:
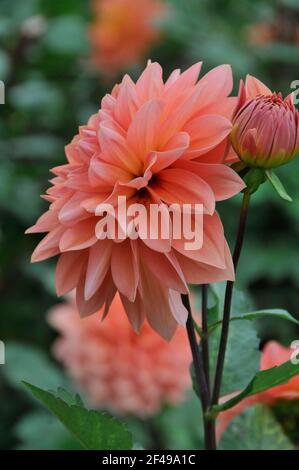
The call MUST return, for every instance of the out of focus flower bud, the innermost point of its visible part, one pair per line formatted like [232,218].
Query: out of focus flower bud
[265,131]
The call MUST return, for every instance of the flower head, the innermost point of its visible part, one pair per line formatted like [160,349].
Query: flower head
[265,130]
[150,143]
[117,369]
[273,355]
[122,31]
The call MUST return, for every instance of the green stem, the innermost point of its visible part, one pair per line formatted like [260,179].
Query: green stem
[209,435]
[228,299]
[205,333]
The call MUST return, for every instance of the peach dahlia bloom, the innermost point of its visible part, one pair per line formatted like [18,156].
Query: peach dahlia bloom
[122,31]
[265,130]
[273,354]
[151,142]
[117,369]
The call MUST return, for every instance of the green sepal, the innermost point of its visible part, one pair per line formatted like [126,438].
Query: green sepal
[253,178]
[278,186]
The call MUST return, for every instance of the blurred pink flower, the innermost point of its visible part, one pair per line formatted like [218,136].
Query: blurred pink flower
[273,355]
[151,143]
[265,130]
[115,367]
[122,31]
[261,34]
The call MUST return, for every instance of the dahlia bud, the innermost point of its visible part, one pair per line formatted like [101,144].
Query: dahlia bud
[265,131]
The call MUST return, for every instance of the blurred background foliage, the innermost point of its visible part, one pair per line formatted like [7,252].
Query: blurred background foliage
[51,89]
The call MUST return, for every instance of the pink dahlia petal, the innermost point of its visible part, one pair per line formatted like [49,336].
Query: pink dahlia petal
[72,212]
[103,296]
[49,246]
[179,311]
[150,83]
[159,314]
[47,222]
[200,273]
[142,133]
[158,242]
[183,187]
[184,111]
[165,267]
[127,103]
[212,251]
[116,150]
[217,83]
[174,149]
[222,179]
[79,237]
[106,175]
[68,270]
[190,76]
[207,132]
[135,311]
[139,147]
[124,269]
[254,87]
[98,265]
[178,83]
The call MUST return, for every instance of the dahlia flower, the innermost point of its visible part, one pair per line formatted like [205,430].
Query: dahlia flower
[273,354]
[117,369]
[122,31]
[265,130]
[151,143]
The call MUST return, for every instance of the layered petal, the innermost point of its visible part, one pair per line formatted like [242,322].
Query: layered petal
[183,187]
[153,152]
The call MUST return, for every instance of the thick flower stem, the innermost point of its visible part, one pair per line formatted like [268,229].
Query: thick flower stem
[228,299]
[205,337]
[210,443]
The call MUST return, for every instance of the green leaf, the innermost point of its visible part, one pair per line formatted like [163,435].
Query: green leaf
[253,179]
[242,355]
[181,425]
[255,429]
[277,313]
[93,429]
[278,186]
[69,398]
[241,301]
[263,380]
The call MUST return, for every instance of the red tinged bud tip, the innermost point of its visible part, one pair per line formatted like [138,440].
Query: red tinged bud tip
[265,131]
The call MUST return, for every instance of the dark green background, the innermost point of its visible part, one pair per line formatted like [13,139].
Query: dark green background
[50,90]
